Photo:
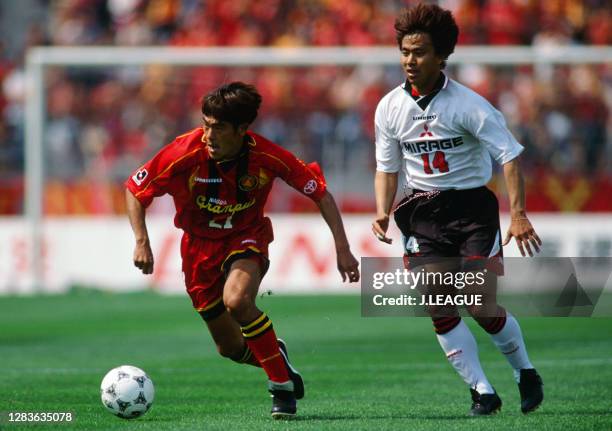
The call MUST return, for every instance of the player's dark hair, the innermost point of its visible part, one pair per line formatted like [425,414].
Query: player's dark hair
[433,20]
[236,103]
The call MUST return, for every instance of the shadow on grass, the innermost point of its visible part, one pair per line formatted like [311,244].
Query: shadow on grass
[332,417]
[587,412]
[348,416]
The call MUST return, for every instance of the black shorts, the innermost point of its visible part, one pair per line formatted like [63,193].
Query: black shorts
[451,224]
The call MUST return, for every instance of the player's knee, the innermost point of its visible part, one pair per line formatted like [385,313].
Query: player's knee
[482,311]
[439,311]
[476,311]
[436,312]
[492,322]
[239,305]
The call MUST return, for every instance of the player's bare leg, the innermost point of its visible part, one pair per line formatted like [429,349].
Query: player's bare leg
[506,335]
[226,334]
[239,296]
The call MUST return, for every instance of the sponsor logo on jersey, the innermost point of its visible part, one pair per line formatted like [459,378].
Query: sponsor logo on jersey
[424,117]
[213,205]
[310,187]
[193,179]
[208,180]
[426,132]
[249,241]
[433,145]
[248,182]
[217,201]
[140,176]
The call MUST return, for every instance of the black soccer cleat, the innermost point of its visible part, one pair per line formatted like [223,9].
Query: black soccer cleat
[485,404]
[530,387]
[296,378]
[284,405]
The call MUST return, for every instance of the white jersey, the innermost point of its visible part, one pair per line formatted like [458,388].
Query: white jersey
[446,145]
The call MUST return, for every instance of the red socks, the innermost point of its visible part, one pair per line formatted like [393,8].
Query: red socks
[261,341]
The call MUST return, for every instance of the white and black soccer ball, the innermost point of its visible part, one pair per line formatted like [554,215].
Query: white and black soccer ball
[127,392]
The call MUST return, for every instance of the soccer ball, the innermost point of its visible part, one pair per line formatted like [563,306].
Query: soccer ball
[127,392]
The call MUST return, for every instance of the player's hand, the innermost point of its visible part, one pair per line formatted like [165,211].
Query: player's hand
[524,234]
[379,227]
[347,265]
[143,257]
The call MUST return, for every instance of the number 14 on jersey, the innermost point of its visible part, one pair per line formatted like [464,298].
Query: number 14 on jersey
[439,162]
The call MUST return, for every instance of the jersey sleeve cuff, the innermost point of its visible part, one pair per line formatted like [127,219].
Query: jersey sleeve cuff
[316,197]
[144,200]
[387,170]
[508,157]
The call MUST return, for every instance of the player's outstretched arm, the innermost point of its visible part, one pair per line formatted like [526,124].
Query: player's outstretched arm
[143,255]
[520,226]
[347,264]
[385,186]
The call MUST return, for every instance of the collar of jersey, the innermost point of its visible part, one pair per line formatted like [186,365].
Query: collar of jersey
[441,84]
[249,141]
[423,101]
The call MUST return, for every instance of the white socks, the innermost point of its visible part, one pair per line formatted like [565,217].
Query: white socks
[510,342]
[461,350]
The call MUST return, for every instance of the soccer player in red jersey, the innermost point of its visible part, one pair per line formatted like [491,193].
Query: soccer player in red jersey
[220,176]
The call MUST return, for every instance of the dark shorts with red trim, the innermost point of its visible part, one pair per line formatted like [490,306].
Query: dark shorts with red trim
[206,263]
[451,224]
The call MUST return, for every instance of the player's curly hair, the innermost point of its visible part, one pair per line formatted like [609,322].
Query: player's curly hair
[236,103]
[433,20]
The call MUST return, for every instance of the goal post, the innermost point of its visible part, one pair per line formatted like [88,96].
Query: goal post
[305,56]
[40,58]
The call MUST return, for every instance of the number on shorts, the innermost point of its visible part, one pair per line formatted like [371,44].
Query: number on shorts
[412,245]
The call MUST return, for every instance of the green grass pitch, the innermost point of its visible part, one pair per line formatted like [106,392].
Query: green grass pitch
[360,373]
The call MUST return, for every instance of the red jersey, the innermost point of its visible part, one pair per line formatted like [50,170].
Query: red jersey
[214,199]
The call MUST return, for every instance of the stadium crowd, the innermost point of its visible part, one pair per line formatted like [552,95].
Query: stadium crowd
[111,120]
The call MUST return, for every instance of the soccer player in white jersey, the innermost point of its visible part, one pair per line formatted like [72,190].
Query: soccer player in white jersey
[438,137]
